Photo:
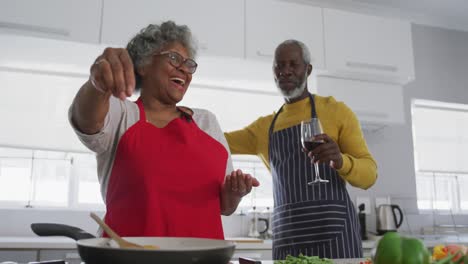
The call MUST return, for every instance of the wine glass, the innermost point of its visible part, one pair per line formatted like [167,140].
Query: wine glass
[310,129]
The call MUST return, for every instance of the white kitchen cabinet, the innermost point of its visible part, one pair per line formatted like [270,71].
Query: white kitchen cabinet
[71,256]
[233,109]
[367,47]
[373,103]
[40,78]
[37,111]
[217,24]
[61,19]
[270,22]
[18,255]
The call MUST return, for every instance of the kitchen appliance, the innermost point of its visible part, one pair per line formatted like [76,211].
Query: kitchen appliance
[362,221]
[268,215]
[172,249]
[255,223]
[387,218]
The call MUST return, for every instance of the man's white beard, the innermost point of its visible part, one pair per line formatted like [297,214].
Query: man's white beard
[296,92]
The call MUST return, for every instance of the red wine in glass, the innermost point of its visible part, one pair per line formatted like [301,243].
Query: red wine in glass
[309,130]
[311,145]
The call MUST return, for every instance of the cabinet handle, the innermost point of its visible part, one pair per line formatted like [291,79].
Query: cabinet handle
[33,28]
[378,67]
[372,114]
[261,54]
[268,55]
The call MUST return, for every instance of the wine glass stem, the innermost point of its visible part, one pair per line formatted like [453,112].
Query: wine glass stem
[317,171]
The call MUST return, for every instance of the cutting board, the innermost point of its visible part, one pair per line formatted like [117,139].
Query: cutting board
[245,240]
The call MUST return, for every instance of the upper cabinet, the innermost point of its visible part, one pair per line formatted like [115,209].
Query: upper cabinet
[367,47]
[217,25]
[372,102]
[224,103]
[270,22]
[59,19]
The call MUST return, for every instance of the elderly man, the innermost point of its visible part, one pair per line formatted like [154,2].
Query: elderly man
[313,219]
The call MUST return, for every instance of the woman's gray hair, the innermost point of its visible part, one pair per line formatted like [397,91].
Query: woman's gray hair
[305,50]
[153,38]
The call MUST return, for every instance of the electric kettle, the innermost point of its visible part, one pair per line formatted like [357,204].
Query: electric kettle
[387,218]
[253,231]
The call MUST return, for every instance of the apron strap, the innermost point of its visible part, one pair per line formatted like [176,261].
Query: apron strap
[186,116]
[313,114]
[141,109]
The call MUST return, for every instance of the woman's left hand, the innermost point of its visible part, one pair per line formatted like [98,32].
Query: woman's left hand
[234,188]
[239,183]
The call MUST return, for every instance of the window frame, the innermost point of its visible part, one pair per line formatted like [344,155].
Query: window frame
[72,185]
[451,175]
[252,163]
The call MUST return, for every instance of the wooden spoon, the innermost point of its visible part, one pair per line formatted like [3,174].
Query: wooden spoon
[120,241]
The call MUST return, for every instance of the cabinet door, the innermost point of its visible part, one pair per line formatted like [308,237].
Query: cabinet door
[373,103]
[44,101]
[270,22]
[233,109]
[217,24]
[20,256]
[40,85]
[71,256]
[368,47]
[60,19]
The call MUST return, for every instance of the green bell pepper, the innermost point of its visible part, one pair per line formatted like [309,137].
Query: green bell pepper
[395,249]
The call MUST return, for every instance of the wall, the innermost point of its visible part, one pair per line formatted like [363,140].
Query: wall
[441,63]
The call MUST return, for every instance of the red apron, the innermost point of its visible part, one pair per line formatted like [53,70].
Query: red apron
[166,181]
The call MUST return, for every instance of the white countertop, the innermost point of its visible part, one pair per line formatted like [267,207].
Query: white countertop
[251,245]
[68,243]
[37,243]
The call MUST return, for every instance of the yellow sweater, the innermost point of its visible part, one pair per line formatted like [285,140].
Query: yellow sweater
[338,122]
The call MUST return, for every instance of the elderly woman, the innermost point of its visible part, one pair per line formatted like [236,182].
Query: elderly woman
[163,171]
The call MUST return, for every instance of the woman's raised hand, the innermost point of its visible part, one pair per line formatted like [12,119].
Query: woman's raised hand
[113,73]
[239,183]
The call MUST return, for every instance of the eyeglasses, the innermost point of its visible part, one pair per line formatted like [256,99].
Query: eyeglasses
[176,60]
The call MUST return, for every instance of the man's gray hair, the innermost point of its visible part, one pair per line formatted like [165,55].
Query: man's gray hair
[153,38]
[305,50]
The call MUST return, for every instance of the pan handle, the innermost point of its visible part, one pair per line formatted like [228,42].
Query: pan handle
[46,229]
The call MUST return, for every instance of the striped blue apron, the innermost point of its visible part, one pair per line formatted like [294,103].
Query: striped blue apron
[315,220]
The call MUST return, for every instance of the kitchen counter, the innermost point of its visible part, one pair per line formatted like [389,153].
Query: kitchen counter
[241,243]
[68,243]
[250,243]
[37,243]
[245,243]
[336,261]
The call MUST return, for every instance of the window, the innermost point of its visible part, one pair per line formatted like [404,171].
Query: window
[15,176]
[262,196]
[38,178]
[440,136]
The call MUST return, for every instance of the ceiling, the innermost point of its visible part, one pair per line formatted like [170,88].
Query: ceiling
[451,14]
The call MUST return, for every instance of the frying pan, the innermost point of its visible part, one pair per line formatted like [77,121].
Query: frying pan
[178,250]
